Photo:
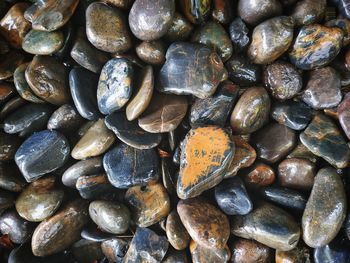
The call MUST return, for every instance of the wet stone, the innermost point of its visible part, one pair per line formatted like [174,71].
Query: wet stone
[146,246]
[176,232]
[9,144]
[323,89]
[83,85]
[11,178]
[106,28]
[343,7]
[127,166]
[110,217]
[148,204]
[151,52]
[175,256]
[271,39]
[260,174]
[39,200]
[332,253]
[301,152]
[323,138]
[283,80]
[206,224]
[298,254]
[222,11]
[41,153]
[11,106]
[239,34]
[85,250]
[123,4]
[214,110]
[180,29]
[206,152]
[6,92]
[316,46]
[196,12]
[187,58]
[115,85]
[130,132]
[248,251]
[279,231]
[164,114]
[232,197]
[251,112]
[93,186]
[93,233]
[50,15]
[69,33]
[61,230]
[42,43]
[324,214]
[47,78]
[9,62]
[294,114]
[308,12]
[115,249]
[344,114]
[256,11]
[65,119]
[343,24]
[97,140]
[202,254]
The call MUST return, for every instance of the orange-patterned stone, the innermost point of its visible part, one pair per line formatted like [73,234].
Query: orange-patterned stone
[205,155]
[201,254]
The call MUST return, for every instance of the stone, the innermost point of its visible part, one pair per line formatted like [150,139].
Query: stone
[343,7]
[196,12]
[298,254]
[65,119]
[7,91]
[206,225]
[309,11]
[151,52]
[11,178]
[84,250]
[115,85]
[279,231]
[256,11]
[9,62]
[93,233]
[7,199]
[332,253]
[175,256]
[9,144]
[202,254]
[149,204]
[260,174]
[68,38]
[42,153]
[176,232]
[97,140]
[180,29]
[324,214]
[239,34]
[343,24]
[344,114]
[93,186]
[206,152]
[106,28]
[110,217]
[115,249]
[42,43]
[222,11]
[251,112]
[123,4]
[11,106]
[127,166]
[248,251]
[301,152]
[323,138]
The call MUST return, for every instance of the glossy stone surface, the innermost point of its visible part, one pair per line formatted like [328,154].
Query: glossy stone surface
[332,253]
[323,217]
[196,11]
[151,52]
[298,254]
[50,15]
[115,249]
[42,43]
[127,166]
[343,7]
[110,217]
[323,138]
[260,174]
[206,225]
[205,154]
[180,28]
[9,62]
[61,230]
[301,152]
[39,200]
[214,110]
[188,58]
[176,232]
[251,112]
[271,39]
[11,178]
[256,11]
[143,94]
[343,24]
[97,140]
[323,89]
[93,186]
[283,80]
[115,85]
[239,34]
[294,114]
[308,12]
[232,197]
[41,153]
[83,85]
[146,246]
[222,11]
[164,113]
[148,204]
[202,254]
[8,146]
[175,256]
[66,119]
[249,251]
[47,78]
[279,231]
[11,106]
[344,114]
[316,46]
[106,28]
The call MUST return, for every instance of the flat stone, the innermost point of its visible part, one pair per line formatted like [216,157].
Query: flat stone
[248,251]
[176,232]
[180,28]
[344,114]
[148,204]
[106,28]
[42,153]
[309,11]
[65,119]
[151,52]
[255,11]
[323,138]
[9,144]
[93,186]
[97,140]
[206,152]
[324,214]
[202,254]
[127,166]
[42,43]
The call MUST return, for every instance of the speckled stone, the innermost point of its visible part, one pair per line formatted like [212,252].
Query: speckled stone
[203,254]
[249,251]
[176,232]
[42,43]
[151,52]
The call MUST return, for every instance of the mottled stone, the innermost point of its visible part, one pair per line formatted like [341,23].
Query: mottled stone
[9,144]
[298,254]
[256,11]
[324,213]
[176,232]
[61,230]
[323,138]
[151,52]
[106,28]
[196,11]
[97,140]
[222,11]
[249,251]
[39,200]
[206,225]
[191,69]
[260,174]
[344,114]
[180,29]
[93,186]
[239,34]
[308,12]
[65,119]
[42,43]
[301,152]
[343,24]
[9,62]
[203,254]
[115,85]
[115,249]
[42,153]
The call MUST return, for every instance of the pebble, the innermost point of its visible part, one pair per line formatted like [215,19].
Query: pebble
[11,178]
[127,166]
[151,52]
[65,119]
[42,153]
[202,254]
[343,7]
[11,105]
[255,11]
[344,114]
[93,233]
[323,138]
[176,232]
[149,204]
[222,11]
[239,34]
[7,199]
[331,253]
[196,12]
[42,43]
[298,254]
[323,217]
[7,91]
[206,152]
[180,29]
[343,24]
[115,85]
[115,249]
[9,62]
[175,256]
[309,11]
[93,186]
[84,250]
[249,251]
[259,174]
[301,152]
[9,144]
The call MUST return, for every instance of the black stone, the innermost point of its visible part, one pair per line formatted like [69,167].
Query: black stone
[9,144]
[93,233]
[93,186]
[7,200]
[332,253]
[65,119]
[239,34]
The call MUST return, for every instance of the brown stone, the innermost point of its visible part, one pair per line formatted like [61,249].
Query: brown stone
[151,52]
[176,232]
[250,251]
[9,63]
[6,92]
[296,255]
[202,254]
[260,174]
